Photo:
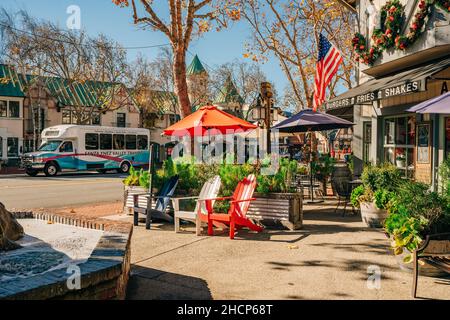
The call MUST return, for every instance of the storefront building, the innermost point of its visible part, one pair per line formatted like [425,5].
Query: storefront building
[393,80]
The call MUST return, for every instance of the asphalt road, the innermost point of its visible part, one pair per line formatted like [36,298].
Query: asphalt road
[25,192]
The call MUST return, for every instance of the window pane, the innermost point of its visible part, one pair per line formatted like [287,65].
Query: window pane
[119,142]
[389,128]
[106,142]
[121,123]
[1,148]
[96,118]
[400,136]
[411,137]
[66,147]
[131,142]
[13,147]
[14,109]
[91,141]
[66,117]
[142,142]
[3,110]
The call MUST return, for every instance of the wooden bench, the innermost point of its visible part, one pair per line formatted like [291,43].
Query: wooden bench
[435,251]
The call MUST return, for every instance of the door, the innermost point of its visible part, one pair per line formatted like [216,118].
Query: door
[66,159]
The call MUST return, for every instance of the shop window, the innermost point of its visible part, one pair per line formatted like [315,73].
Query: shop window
[13,147]
[399,143]
[367,141]
[3,109]
[14,109]
[1,148]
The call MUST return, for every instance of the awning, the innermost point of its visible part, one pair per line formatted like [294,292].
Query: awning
[406,82]
[438,105]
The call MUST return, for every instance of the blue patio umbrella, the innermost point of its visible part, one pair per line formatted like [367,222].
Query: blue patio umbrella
[440,104]
[308,120]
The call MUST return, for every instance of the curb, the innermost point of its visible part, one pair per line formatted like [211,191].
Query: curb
[15,175]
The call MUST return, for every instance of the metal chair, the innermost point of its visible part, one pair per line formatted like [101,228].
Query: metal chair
[343,191]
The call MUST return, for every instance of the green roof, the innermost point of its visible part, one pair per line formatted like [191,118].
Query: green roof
[229,93]
[10,84]
[86,93]
[196,67]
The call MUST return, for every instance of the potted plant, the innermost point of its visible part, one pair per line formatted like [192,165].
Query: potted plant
[138,181]
[373,196]
[278,203]
[400,161]
[414,213]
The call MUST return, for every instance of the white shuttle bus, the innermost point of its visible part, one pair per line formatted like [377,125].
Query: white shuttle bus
[86,148]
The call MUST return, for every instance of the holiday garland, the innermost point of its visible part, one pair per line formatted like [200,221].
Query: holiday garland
[388,35]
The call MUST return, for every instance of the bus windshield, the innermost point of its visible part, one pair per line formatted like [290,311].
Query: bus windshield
[50,145]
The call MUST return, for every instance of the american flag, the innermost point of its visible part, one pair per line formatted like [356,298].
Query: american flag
[327,65]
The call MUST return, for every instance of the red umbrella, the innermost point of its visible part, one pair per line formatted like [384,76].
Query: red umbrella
[208,120]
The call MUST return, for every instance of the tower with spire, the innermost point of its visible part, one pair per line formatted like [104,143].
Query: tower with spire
[229,99]
[197,79]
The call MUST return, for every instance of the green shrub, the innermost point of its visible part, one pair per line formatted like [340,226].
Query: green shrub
[382,198]
[385,177]
[356,194]
[415,212]
[137,178]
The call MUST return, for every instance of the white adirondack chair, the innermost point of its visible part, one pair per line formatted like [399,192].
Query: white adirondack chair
[210,190]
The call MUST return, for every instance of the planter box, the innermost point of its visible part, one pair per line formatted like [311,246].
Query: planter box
[278,210]
[436,247]
[128,198]
[372,216]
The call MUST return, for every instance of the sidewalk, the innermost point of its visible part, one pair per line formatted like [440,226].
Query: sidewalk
[11,172]
[330,258]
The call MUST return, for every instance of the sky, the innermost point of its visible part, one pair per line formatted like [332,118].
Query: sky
[103,17]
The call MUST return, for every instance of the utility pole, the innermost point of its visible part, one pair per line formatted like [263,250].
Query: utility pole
[267,95]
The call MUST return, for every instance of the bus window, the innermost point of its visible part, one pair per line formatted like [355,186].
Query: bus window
[91,140]
[106,142]
[66,147]
[130,142]
[142,142]
[119,142]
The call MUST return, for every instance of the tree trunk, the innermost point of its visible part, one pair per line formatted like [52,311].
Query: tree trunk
[181,87]
[10,230]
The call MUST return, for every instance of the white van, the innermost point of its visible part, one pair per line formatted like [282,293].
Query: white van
[82,148]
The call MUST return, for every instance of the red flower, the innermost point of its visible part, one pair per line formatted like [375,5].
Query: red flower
[361,47]
[414,26]
[422,4]
[388,31]
[391,18]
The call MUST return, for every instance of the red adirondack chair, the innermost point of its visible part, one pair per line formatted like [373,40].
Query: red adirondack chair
[236,217]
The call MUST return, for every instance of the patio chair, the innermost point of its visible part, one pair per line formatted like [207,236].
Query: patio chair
[157,209]
[439,260]
[210,190]
[236,217]
[343,192]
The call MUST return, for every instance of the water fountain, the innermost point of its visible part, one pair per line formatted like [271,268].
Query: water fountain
[47,256]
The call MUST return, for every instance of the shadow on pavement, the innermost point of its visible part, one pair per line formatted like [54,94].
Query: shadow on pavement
[152,284]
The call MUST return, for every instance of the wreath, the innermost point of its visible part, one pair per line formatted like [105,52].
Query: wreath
[392,19]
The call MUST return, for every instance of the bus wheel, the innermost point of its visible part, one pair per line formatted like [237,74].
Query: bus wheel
[31,172]
[51,169]
[125,167]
